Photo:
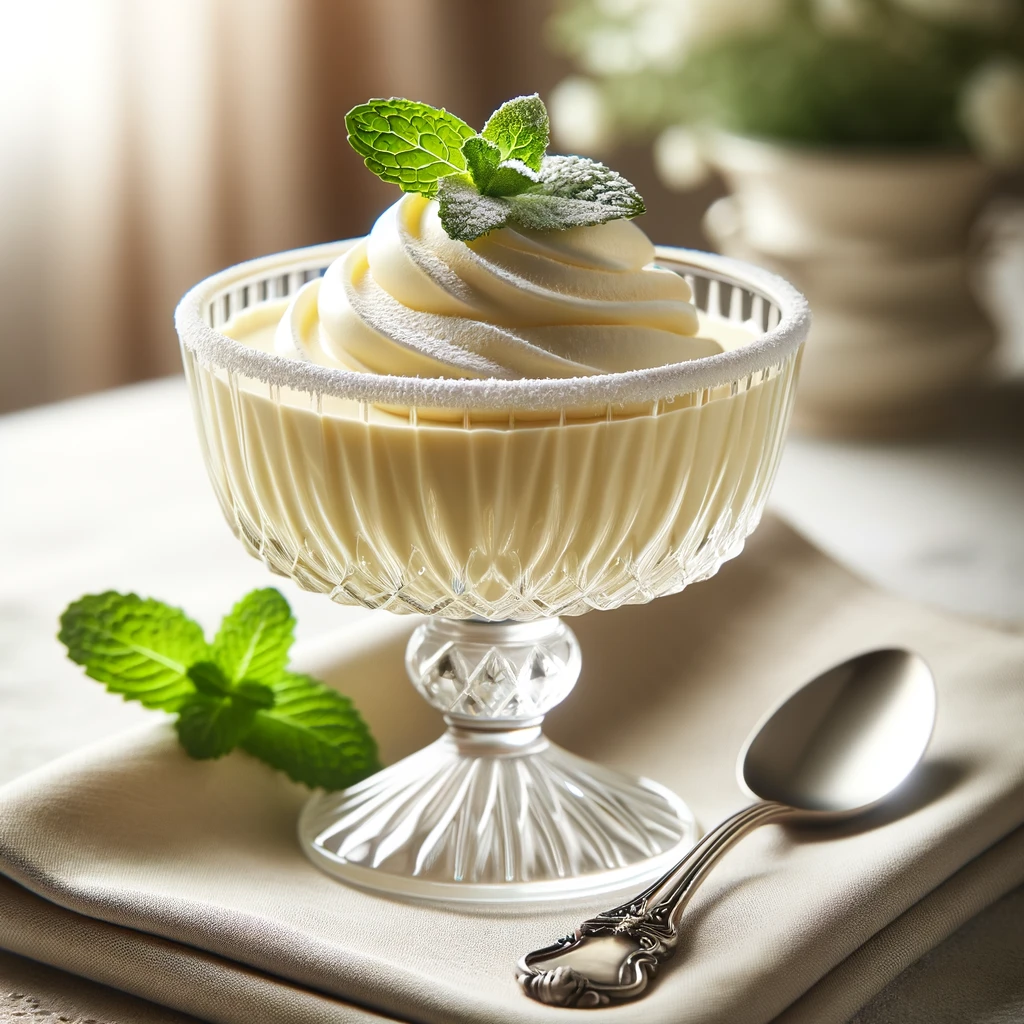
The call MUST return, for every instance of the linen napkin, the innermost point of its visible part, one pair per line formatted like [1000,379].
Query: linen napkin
[182,881]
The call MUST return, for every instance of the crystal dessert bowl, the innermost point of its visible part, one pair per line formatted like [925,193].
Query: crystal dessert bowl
[492,507]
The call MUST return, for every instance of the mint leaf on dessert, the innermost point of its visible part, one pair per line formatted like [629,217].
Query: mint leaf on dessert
[571,192]
[313,734]
[483,182]
[588,181]
[254,638]
[139,648]
[408,144]
[520,130]
[210,727]
[465,214]
[492,175]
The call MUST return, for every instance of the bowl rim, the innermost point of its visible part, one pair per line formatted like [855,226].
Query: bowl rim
[216,350]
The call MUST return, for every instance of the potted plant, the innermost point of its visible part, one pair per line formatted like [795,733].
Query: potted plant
[859,139]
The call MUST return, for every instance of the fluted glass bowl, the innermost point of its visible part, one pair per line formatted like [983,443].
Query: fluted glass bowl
[497,500]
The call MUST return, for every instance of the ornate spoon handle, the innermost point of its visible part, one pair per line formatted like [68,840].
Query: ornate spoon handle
[612,957]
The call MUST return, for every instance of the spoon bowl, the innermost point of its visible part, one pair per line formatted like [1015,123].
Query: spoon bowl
[844,741]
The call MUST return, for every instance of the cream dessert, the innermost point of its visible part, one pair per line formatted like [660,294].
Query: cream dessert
[513,514]
[505,404]
[496,507]
[409,300]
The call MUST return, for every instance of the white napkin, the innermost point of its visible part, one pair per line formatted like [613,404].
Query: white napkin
[182,881]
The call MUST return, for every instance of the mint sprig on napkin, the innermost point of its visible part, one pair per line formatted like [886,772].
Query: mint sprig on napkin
[234,692]
[485,180]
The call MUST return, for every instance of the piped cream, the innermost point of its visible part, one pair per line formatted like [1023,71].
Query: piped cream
[410,301]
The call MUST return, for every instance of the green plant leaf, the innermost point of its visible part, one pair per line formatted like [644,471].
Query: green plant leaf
[208,678]
[520,130]
[236,692]
[210,727]
[588,181]
[138,647]
[493,176]
[465,214]
[571,191]
[210,681]
[313,734]
[259,696]
[408,144]
[254,638]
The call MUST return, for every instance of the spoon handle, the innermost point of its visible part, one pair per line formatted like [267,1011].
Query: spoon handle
[612,957]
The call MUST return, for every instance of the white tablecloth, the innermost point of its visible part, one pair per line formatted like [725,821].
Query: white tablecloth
[109,492]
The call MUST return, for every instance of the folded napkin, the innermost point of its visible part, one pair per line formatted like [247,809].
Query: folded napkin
[182,881]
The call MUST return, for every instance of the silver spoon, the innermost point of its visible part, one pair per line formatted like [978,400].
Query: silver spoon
[838,746]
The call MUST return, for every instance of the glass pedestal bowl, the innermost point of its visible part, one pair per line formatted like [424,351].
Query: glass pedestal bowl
[493,507]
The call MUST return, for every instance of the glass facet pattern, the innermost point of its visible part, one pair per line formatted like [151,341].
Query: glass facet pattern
[471,519]
[493,809]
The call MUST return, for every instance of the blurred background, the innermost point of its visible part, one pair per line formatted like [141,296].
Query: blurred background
[147,143]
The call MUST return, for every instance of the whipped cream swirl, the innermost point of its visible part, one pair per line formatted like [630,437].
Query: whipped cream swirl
[409,300]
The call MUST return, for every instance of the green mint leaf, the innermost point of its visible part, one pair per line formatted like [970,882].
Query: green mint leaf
[259,696]
[211,727]
[493,176]
[209,679]
[139,648]
[254,638]
[510,178]
[519,128]
[465,213]
[313,734]
[571,192]
[587,181]
[408,144]
[574,192]
[482,159]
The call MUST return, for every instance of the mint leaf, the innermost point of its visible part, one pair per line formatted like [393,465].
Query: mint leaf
[313,734]
[259,696]
[139,648]
[408,144]
[519,128]
[571,192]
[587,181]
[254,638]
[210,681]
[493,176]
[211,727]
[482,159]
[465,214]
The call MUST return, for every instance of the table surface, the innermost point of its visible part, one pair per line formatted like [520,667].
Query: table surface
[109,492]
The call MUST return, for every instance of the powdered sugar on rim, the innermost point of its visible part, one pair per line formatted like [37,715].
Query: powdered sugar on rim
[214,349]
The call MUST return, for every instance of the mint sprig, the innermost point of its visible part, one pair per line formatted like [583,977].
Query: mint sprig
[235,692]
[497,177]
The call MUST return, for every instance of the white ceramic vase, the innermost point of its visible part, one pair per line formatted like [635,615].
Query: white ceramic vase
[884,247]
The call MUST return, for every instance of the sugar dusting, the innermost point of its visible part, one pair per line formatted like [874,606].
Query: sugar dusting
[215,349]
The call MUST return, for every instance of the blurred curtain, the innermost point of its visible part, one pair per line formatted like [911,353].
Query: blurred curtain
[147,143]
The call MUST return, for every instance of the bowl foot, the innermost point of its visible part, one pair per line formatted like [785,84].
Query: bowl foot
[469,819]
